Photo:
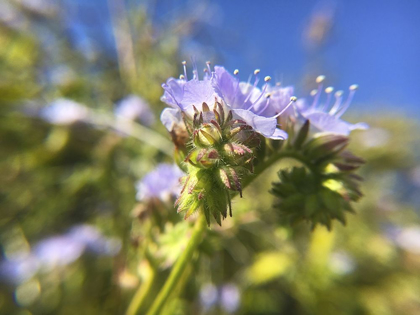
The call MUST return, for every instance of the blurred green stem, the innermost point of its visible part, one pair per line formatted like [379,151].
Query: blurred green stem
[134,130]
[141,293]
[200,228]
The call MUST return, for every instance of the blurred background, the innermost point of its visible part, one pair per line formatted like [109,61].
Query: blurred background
[80,91]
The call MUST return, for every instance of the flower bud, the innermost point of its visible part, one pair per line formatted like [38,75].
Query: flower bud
[221,154]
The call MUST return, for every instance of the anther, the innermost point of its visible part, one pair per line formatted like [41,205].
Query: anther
[338,93]
[293,99]
[353,87]
[313,92]
[208,63]
[267,78]
[278,83]
[320,79]
[329,90]
[236,72]
[268,95]
[256,71]
[181,77]
[184,63]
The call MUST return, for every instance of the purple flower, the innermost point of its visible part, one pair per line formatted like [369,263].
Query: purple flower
[325,117]
[134,107]
[161,183]
[19,269]
[182,94]
[251,104]
[230,297]
[58,251]
[227,296]
[93,240]
[208,295]
[247,101]
[64,112]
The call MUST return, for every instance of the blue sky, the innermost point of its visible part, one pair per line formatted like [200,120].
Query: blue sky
[374,43]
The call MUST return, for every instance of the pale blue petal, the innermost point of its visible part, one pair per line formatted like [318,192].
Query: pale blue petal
[263,125]
[196,92]
[329,123]
[279,134]
[170,117]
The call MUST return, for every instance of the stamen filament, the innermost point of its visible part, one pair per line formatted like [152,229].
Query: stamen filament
[292,100]
[266,79]
[338,100]
[319,80]
[184,64]
[343,109]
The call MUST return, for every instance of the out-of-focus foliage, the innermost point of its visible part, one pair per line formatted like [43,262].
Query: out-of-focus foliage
[53,177]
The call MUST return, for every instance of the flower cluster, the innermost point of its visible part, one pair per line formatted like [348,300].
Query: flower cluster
[220,124]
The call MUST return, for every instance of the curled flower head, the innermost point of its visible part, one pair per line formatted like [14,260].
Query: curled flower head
[161,183]
[253,105]
[326,117]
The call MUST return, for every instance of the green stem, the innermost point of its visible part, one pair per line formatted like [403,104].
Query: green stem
[180,265]
[141,294]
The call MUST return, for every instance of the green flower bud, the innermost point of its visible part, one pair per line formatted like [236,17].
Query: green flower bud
[222,152]
[322,192]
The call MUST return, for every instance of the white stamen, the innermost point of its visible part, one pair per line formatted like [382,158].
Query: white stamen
[184,64]
[318,80]
[292,100]
[254,86]
[346,105]
[208,63]
[329,91]
[338,99]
